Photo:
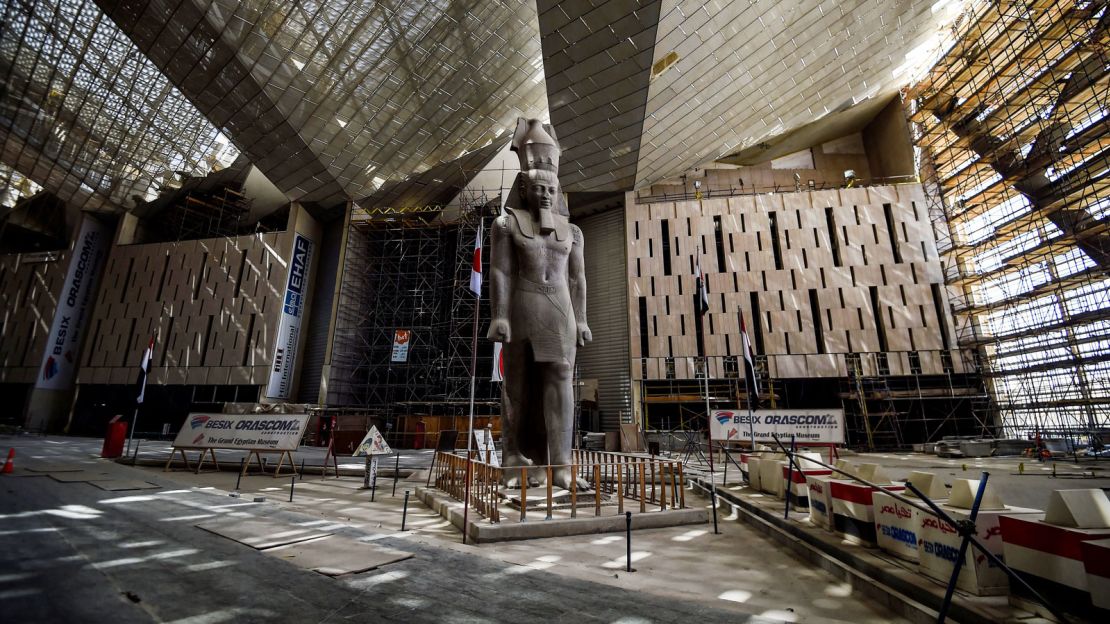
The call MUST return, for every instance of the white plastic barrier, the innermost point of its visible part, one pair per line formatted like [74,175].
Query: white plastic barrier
[897,524]
[1051,546]
[1096,562]
[853,508]
[820,500]
[939,543]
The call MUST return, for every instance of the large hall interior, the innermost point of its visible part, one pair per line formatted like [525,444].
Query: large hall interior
[888,215]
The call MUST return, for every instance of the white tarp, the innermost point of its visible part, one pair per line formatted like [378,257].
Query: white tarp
[289,328]
[808,425]
[75,303]
[272,432]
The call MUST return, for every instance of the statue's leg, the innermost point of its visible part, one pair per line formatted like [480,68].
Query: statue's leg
[512,414]
[558,412]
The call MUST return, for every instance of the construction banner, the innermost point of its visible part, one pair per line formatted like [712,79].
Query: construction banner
[272,432]
[289,328]
[810,425]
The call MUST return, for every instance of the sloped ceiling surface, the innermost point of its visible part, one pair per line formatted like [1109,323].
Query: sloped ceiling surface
[724,75]
[332,100]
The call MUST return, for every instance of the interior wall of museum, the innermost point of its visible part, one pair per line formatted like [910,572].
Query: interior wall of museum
[214,305]
[606,358]
[839,271]
[30,285]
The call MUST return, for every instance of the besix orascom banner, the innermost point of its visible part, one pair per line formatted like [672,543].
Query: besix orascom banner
[808,425]
[272,432]
[289,328]
[75,303]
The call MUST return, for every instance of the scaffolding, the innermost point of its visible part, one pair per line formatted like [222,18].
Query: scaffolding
[1012,129]
[393,278]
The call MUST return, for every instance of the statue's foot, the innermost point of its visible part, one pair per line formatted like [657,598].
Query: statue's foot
[563,478]
[512,464]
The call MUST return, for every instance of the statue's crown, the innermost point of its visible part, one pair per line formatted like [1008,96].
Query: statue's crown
[536,145]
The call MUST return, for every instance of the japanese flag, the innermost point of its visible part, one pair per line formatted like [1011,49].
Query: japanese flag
[476,268]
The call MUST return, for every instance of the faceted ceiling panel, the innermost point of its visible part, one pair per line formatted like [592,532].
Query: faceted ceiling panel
[332,100]
[644,91]
[87,116]
[598,62]
[743,72]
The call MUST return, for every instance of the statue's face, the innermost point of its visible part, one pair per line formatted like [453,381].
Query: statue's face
[542,189]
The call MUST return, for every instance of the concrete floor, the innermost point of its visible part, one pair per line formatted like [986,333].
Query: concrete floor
[70,551]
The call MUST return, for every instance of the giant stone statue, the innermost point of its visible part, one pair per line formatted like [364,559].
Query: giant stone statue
[538,296]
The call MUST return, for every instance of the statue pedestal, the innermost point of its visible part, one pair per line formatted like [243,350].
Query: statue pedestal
[560,498]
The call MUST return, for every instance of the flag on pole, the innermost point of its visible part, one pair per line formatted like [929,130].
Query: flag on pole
[701,301]
[144,370]
[498,364]
[476,268]
[749,365]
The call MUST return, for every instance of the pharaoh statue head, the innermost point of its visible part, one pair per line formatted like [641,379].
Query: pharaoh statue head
[538,151]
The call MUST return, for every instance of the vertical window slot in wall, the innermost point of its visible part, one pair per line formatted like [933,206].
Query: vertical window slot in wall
[731,244]
[942,319]
[162,280]
[893,233]
[247,342]
[638,274]
[665,249]
[200,276]
[127,280]
[775,249]
[719,238]
[636,227]
[818,326]
[243,267]
[834,242]
[125,353]
[877,314]
[207,339]
[757,323]
[92,342]
[643,327]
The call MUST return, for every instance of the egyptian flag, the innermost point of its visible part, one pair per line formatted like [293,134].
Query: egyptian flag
[498,363]
[476,267]
[144,370]
[749,366]
[701,298]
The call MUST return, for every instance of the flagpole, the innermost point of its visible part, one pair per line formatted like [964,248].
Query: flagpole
[473,377]
[699,304]
[745,346]
[142,394]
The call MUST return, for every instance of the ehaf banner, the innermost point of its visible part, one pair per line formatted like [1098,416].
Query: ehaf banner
[812,425]
[372,444]
[289,328]
[401,339]
[271,432]
[75,303]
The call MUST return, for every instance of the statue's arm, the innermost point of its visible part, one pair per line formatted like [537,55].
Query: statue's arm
[576,276]
[501,270]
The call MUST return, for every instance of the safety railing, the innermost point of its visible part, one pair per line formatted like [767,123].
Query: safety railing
[651,483]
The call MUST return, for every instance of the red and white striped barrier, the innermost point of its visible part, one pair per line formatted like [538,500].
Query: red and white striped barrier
[1047,551]
[896,526]
[820,500]
[853,510]
[799,489]
[1051,546]
[1096,562]
[939,547]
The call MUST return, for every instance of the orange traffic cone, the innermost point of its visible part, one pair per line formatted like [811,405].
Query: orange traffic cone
[10,464]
